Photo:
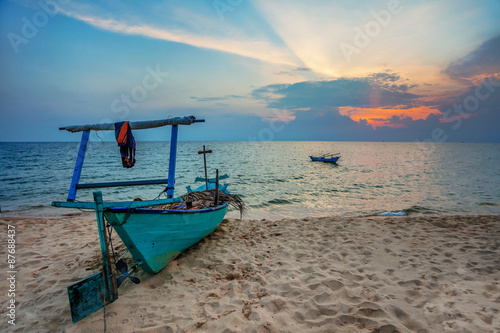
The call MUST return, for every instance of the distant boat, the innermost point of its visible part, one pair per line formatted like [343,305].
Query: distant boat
[329,158]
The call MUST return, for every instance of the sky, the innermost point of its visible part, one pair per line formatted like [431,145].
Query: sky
[253,69]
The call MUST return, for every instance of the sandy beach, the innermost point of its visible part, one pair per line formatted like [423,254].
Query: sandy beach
[331,274]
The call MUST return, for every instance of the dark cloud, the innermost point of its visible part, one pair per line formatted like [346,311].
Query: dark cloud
[214,99]
[475,111]
[207,99]
[384,77]
[372,91]
[315,104]
[399,120]
[485,60]
[389,81]
[285,73]
[472,115]
[324,125]
[298,69]
[475,114]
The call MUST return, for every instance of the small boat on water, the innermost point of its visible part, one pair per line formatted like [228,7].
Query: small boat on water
[211,182]
[329,158]
[154,231]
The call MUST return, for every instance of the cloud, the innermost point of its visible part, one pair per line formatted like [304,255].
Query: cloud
[241,45]
[482,62]
[399,121]
[293,72]
[207,99]
[376,90]
[380,106]
[214,99]
[316,106]
[423,34]
[478,106]
[477,102]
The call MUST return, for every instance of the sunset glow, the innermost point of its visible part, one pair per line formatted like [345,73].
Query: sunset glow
[396,68]
[382,116]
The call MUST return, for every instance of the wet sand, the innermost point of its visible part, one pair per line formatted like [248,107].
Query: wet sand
[365,274]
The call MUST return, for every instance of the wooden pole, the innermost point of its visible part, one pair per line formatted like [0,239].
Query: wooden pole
[171,164]
[110,288]
[205,152]
[216,187]
[78,166]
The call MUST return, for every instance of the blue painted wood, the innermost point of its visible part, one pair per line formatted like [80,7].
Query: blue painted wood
[155,237]
[211,180]
[109,278]
[78,165]
[126,183]
[125,204]
[86,297]
[211,186]
[171,164]
[325,159]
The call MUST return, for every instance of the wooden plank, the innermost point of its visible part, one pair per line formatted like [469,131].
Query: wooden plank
[124,183]
[109,278]
[78,166]
[134,125]
[127,204]
[86,297]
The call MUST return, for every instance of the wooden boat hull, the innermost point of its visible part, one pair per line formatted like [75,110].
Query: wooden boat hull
[155,237]
[323,159]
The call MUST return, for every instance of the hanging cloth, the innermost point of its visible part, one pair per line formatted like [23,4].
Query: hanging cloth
[126,142]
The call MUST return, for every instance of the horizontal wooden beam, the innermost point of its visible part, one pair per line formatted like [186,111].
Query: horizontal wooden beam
[127,183]
[124,204]
[134,125]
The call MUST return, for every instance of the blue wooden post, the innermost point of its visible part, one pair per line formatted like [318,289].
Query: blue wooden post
[171,165]
[110,287]
[78,165]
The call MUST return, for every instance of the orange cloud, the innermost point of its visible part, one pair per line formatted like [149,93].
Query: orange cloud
[380,116]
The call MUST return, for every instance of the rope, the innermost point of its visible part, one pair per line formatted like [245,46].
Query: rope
[99,137]
[110,232]
[104,317]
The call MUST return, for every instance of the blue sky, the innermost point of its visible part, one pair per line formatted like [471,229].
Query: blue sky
[255,70]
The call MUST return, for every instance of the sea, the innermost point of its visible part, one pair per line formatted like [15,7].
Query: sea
[276,179]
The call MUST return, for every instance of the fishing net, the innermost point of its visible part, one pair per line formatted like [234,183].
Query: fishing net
[206,199]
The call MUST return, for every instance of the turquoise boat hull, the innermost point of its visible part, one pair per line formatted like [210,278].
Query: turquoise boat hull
[155,237]
[325,159]
[211,186]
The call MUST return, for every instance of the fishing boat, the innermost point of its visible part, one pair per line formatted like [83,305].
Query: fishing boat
[153,235]
[329,158]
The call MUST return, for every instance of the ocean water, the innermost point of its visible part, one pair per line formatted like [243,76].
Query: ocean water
[275,179]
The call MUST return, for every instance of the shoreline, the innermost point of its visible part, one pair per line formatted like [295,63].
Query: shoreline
[53,213]
[343,274]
